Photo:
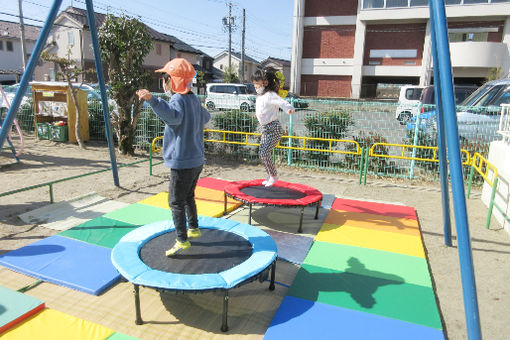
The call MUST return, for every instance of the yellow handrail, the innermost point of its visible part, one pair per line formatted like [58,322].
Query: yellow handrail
[467,156]
[478,163]
[303,146]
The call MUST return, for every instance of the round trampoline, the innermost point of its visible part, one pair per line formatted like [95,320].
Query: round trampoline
[227,255]
[281,194]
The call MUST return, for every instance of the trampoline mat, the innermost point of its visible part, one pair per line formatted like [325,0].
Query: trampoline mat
[214,252]
[274,192]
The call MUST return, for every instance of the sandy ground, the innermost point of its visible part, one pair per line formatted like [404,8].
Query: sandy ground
[45,160]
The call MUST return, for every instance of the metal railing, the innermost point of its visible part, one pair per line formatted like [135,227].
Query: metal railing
[490,175]
[504,123]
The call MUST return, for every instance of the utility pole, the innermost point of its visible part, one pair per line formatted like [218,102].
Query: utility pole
[22,29]
[228,22]
[242,45]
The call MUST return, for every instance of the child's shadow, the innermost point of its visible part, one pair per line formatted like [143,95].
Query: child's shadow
[358,281]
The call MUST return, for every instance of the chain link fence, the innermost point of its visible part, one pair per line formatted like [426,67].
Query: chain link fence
[322,134]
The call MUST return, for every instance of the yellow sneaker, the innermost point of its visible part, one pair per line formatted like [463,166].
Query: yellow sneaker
[194,233]
[178,247]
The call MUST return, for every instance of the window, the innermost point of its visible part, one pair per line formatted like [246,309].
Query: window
[9,46]
[369,4]
[158,49]
[396,3]
[468,36]
[1,45]
[70,38]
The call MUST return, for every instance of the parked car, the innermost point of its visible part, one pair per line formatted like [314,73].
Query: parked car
[229,96]
[477,116]
[408,101]
[296,101]
[251,88]
[412,107]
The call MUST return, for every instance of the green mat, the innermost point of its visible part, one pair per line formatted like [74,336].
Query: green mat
[120,336]
[369,262]
[382,294]
[140,214]
[101,231]
[15,307]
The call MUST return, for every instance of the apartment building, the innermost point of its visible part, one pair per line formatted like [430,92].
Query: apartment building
[346,48]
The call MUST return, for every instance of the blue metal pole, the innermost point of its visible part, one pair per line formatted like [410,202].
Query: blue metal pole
[27,75]
[100,79]
[459,198]
[291,128]
[441,143]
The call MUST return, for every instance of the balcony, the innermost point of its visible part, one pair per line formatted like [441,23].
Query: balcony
[478,54]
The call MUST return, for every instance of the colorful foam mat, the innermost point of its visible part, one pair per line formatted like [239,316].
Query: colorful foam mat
[365,276]
[209,197]
[16,307]
[65,261]
[50,324]
[57,258]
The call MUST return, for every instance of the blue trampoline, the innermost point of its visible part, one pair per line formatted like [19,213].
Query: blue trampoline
[227,255]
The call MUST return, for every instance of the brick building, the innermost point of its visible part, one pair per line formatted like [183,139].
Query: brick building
[347,48]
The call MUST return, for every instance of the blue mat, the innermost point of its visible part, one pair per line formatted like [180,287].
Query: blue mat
[292,248]
[302,319]
[66,262]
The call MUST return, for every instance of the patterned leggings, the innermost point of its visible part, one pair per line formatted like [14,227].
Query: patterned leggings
[271,134]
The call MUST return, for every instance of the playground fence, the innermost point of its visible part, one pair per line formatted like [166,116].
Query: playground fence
[314,135]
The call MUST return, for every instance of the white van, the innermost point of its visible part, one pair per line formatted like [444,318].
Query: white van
[408,103]
[229,96]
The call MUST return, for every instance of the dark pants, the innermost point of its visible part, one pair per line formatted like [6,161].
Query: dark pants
[181,198]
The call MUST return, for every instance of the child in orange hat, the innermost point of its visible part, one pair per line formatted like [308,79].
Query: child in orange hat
[183,146]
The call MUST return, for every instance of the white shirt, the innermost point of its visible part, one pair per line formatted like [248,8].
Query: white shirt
[268,105]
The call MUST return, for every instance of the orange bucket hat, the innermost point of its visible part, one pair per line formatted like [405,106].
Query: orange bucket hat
[181,73]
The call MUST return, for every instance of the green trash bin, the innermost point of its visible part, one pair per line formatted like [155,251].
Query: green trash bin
[59,133]
[43,130]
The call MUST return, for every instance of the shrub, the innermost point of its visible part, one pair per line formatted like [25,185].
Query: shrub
[330,125]
[234,120]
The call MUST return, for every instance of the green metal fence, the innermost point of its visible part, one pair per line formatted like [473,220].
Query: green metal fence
[365,122]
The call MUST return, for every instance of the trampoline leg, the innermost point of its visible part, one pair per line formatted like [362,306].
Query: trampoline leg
[273,273]
[249,215]
[225,206]
[136,290]
[300,230]
[224,326]
[317,210]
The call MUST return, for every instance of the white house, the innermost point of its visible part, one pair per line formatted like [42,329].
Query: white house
[70,32]
[280,64]
[11,60]
[250,64]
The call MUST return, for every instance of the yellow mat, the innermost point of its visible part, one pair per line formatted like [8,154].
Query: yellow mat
[372,238]
[54,325]
[210,202]
[374,222]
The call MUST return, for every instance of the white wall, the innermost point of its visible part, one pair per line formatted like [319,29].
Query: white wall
[499,156]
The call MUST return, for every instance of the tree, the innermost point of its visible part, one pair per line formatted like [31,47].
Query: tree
[69,72]
[124,43]
[201,80]
[230,75]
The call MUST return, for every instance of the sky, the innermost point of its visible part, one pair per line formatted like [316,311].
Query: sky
[198,23]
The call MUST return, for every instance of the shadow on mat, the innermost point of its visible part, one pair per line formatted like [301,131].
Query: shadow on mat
[287,219]
[250,309]
[357,281]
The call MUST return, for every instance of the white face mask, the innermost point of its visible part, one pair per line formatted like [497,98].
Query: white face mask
[260,90]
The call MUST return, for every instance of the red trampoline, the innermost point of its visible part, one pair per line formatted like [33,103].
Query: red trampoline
[281,194]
